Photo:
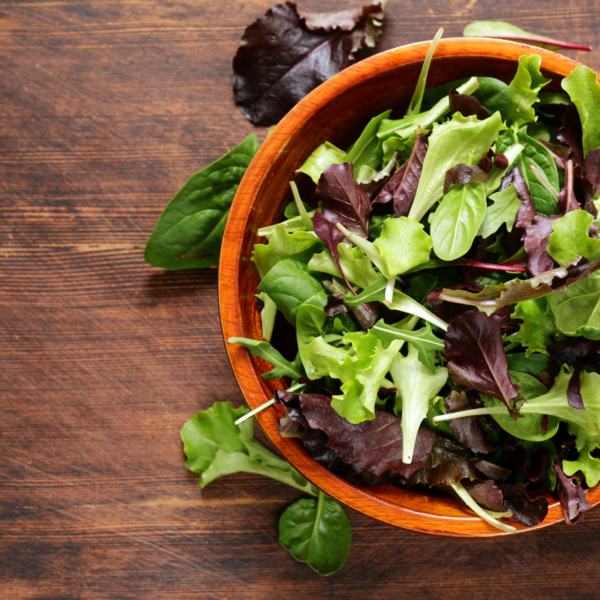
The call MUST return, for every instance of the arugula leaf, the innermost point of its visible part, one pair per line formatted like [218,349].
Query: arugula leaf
[416,385]
[503,211]
[264,350]
[356,266]
[215,446]
[267,315]
[363,152]
[455,223]
[283,244]
[289,284]
[426,343]
[361,373]
[322,157]
[586,463]
[571,238]
[524,89]
[576,310]
[452,143]
[189,232]
[583,89]
[316,532]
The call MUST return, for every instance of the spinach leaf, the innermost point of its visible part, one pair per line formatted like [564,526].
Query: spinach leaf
[316,532]
[289,284]
[264,350]
[189,232]
[363,152]
[583,89]
[455,223]
[322,157]
[502,211]
[215,446]
[452,143]
[416,385]
[524,89]
[571,238]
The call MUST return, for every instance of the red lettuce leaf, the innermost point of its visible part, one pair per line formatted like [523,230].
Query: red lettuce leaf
[570,493]
[566,199]
[517,457]
[526,211]
[476,358]
[468,430]
[524,510]
[402,187]
[462,174]
[284,56]
[492,471]
[486,493]
[536,243]
[574,388]
[574,350]
[559,153]
[365,314]
[466,105]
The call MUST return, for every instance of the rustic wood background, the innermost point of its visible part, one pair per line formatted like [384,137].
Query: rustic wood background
[106,107]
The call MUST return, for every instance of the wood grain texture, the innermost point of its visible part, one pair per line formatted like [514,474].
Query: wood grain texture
[106,108]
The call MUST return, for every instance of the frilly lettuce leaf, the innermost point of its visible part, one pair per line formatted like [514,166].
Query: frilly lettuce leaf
[571,238]
[586,463]
[502,211]
[537,330]
[356,265]
[524,89]
[322,157]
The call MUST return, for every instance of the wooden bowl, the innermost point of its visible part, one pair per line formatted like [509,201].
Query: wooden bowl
[342,104]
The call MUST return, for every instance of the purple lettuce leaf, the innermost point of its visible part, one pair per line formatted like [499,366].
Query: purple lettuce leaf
[535,241]
[570,493]
[486,493]
[524,510]
[492,471]
[559,153]
[517,457]
[526,211]
[402,187]
[283,56]
[574,388]
[365,314]
[574,350]
[463,174]
[468,430]
[476,358]
[566,199]
[466,105]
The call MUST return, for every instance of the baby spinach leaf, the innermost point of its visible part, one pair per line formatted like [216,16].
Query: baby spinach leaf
[264,350]
[507,31]
[576,310]
[586,463]
[316,532]
[363,151]
[524,89]
[571,238]
[189,232]
[416,385]
[322,157]
[284,55]
[452,143]
[502,211]
[282,245]
[356,266]
[289,284]
[583,89]
[537,330]
[215,446]
[455,223]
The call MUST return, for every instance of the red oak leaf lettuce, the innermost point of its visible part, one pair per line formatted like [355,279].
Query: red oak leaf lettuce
[466,105]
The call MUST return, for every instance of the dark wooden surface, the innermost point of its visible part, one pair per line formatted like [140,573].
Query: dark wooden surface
[105,109]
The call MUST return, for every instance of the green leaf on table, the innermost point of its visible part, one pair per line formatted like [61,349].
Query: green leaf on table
[289,284]
[215,446]
[316,532]
[503,211]
[264,350]
[537,155]
[537,330]
[457,141]
[534,364]
[356,265]
[571,239]
[586,463]
[361,372]
[363,152]
[457,219]
[528,427]
[583,89]
[426,343]
[282,245]
[524,89]
[189,232]
[324,156]
[577,310]
[416,385]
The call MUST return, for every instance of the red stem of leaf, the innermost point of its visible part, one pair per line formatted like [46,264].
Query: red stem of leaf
[540,40]
[489,266]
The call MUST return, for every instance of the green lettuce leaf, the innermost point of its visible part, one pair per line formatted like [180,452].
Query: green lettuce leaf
[189,232]
[524,89]
[585,463]
[356,265]
[537,330]
[264,350]
[322,157]
[583,89]
[267,315]
[282,245]
[310,320]
[502,211]
[450,144]
[455,223]
[215,446]
[571,239]
[417,385]
[361,372]
[363,152]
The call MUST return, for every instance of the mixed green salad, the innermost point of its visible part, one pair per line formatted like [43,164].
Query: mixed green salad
[440,277]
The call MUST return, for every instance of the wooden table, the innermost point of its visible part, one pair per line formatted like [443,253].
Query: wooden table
[106,108]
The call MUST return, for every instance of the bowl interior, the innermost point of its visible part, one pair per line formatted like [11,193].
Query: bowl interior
[341,105]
